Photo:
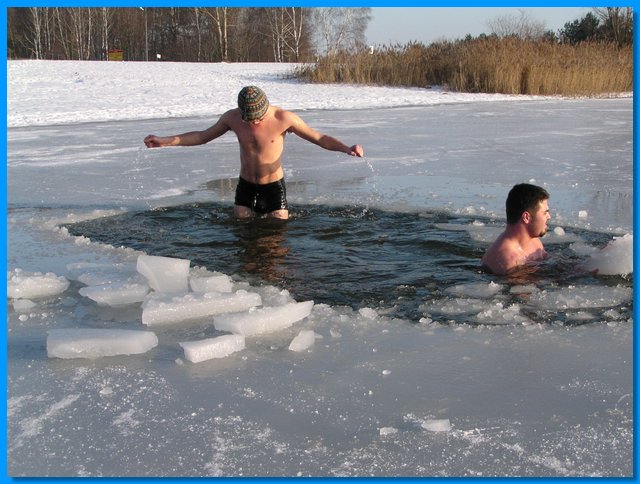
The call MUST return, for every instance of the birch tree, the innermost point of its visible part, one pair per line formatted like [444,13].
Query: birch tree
[107,19]
[341,29]
[36,39]
[220,18]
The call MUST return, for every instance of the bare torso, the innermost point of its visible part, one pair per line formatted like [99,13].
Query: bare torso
[508,253]
[261,144]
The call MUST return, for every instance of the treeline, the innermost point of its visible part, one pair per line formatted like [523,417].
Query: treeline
[212,34]
[588,57]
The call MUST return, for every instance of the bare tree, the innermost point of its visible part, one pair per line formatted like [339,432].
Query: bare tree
[107,19]
[36,40]
[618,21]
[220,18]
[277,32]
[522,26]
[181,34]
[296,38]
[341,29]
[286,32]
[38,36]
[62,33]
[80,26]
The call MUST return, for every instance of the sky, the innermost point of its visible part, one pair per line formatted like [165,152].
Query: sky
[391,25]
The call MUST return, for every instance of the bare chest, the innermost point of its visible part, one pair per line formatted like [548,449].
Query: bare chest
[258,138]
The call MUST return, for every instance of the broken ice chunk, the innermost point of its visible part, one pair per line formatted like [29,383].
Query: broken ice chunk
[163,309]
[34,285]
[437,425]
[303,341]
[165,274]
[206,349]
[95,343]
[264,320]
[116,294]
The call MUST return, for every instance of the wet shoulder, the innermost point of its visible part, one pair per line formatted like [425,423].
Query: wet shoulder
[232,118]
[502,256]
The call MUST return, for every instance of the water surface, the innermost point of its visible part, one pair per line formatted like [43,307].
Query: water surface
[346,255]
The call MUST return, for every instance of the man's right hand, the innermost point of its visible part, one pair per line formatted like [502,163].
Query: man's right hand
[152,141]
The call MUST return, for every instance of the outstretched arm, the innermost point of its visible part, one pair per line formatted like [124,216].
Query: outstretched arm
[192,138]
[302,129]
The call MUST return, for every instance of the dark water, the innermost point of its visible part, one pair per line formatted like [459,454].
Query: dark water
[352,256]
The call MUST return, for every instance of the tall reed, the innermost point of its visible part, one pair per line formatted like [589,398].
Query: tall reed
[490,65]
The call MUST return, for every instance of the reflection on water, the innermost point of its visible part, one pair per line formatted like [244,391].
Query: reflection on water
[353,256]
[262,249]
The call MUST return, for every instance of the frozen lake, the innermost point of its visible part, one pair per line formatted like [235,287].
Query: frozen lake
[461,157]
[461,374]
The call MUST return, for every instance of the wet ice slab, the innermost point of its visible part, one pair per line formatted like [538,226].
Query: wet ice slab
[165,274]
[264,320]
[116,294]
[304,340]
[166,309]
[34,285]
[207,349]
[89,343]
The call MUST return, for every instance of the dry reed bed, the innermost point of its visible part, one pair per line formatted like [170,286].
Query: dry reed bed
[508,66]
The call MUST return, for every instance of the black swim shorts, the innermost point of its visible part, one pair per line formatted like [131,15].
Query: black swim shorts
[262,198]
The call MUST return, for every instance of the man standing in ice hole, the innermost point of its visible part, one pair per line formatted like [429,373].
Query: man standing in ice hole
[260,129]
[527,217]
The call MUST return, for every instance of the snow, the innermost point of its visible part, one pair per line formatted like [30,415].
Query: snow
[40,93]
[512,396]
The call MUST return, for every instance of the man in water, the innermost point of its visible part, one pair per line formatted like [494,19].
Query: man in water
[527,217]
[260,129]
